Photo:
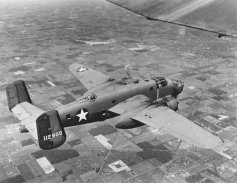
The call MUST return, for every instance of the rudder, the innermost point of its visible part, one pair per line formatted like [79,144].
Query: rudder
[50,131]
[17,93]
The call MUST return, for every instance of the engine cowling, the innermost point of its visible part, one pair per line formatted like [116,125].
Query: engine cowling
[172,104]
[128,123]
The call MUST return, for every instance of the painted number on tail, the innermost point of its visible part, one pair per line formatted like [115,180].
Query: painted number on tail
[53,135]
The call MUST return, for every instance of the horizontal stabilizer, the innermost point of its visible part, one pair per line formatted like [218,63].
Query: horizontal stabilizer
[50,131]
[45,127]
[27,114]
[17,93]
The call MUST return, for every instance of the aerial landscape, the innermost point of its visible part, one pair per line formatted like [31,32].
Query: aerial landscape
[39,40]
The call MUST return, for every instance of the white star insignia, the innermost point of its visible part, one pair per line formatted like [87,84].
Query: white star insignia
[82,115]
[81,69]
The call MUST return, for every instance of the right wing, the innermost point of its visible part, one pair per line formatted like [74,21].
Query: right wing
[87,76]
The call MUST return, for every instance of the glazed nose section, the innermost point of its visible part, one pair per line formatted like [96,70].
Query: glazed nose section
[178,86]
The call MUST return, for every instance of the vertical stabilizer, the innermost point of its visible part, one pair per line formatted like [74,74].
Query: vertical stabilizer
[17,93]
[50,131]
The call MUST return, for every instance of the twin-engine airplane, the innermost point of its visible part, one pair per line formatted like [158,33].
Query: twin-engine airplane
[138,102]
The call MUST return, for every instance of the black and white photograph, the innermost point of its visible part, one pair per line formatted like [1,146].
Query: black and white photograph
[118,91]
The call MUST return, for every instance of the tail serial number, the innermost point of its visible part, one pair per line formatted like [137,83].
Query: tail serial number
[53,135]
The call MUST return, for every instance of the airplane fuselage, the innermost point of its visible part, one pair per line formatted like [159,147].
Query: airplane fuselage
[94,106]
[91,106]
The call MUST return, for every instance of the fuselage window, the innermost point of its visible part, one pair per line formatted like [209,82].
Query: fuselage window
[68,116]
[151,88]
[163,83]
[113,101]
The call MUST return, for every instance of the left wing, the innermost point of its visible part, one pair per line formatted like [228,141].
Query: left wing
[139,102]
[87,76]
[168,121]
[216,16]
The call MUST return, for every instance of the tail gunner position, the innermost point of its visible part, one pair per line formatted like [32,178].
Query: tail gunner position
[137,102]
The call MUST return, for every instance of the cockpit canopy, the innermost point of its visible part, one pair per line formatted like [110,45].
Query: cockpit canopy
[160,81]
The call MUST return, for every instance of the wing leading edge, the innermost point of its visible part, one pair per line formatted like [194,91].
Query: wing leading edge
[217,16]
[168,121]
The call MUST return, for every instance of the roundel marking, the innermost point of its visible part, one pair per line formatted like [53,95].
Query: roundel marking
[81,69]
[82,114]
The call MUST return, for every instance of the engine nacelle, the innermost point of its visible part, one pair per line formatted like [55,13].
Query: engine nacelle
[172,104]
[128,123]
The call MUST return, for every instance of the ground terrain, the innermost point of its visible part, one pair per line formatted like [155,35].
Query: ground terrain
[39,40]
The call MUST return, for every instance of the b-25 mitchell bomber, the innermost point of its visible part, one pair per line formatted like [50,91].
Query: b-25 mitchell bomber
[138,102]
